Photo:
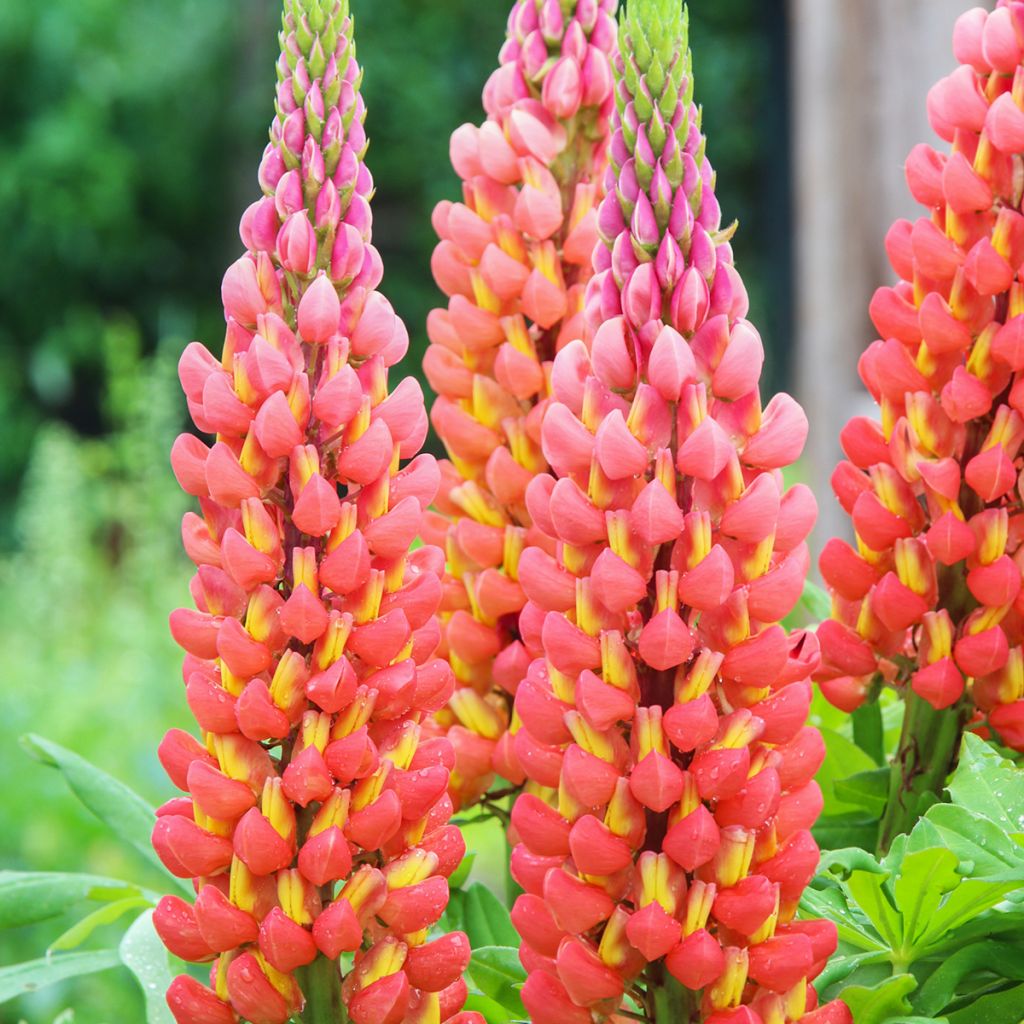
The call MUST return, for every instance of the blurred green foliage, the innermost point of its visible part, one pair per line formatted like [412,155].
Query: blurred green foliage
[132,133]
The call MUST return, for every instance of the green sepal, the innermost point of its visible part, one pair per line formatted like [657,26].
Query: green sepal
[668,100]
[317,18]
[655,76]
[316,62]
[657,134]
[303,34]
[314,124]
[298,94]
[332,92]
[644,254]
[642,105]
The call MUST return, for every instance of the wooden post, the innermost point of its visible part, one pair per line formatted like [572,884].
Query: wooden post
[860,74]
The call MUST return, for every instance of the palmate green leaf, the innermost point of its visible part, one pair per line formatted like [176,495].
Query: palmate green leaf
[989,785]
[107,914]
[1005,920]
[1005,1007]
[872,895]
[854,929]
[142,952]
[882,1003]
[121,808]
[30,896]
[485,919]
[21,979]
[981,846]
[840,967]
[971,898]
[842,863]
[498,974]
[1004,959]
[922,880]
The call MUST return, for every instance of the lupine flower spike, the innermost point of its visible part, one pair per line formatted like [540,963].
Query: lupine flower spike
[315,820]
[514,259]
[665,833]
[929,599]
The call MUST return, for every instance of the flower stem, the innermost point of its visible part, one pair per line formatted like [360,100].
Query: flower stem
[927,753]
[670,1002]
[321,985]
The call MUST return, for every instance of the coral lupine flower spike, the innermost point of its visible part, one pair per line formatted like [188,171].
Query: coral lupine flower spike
[514,258]
[664,837]
[930,599]
[316,817]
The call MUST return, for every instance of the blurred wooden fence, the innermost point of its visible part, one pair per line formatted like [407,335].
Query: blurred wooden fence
[860,72]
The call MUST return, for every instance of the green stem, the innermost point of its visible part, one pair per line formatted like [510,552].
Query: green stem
[321,984]
[927,753]
[670,1002]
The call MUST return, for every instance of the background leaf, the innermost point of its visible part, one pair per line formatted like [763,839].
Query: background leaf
[868,790]
[881,1003]
[988,784]
[843,758]
[837,831]
[999,1008]
[142,952]
[30,896]
[497,973]
[1002,958]
[107,914]
[493,1011]
[979,843]
[486,921]
[36,974]
[109,799]
[869,730]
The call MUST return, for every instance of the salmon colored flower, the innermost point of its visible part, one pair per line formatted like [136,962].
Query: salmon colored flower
[928,597]
[316,817]
[514,259]
[664,836]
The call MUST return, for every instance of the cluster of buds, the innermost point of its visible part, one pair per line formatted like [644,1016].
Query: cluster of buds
[316,820]
[931,595]
[514,259]
[664,835]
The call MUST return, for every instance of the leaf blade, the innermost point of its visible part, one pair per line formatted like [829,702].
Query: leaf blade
[27,897]
[32,975]
[115,804]
[142,952]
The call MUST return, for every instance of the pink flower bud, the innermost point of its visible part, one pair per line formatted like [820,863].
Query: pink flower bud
[319,311]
